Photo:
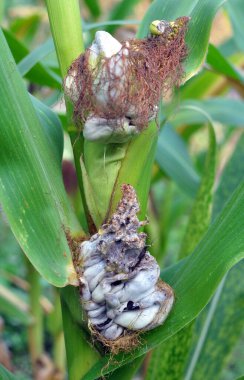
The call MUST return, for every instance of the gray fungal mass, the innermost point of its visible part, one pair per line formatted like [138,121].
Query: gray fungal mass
[119,279]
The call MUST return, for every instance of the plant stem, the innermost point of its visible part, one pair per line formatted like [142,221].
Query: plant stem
[35,330]
[58,336]
[64,16]
[66,29]
[65,22]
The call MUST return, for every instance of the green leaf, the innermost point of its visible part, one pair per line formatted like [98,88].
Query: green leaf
[173,158]
[39,74]
[121,10]
[25,28]
[207,83]
[221,326]
[35,56]
[202,208]
[219,63]
[236,14]
[95,25]
[221,329]
[5,374]
[195,282]
[126,372]
[12,306]
[169,362]
[31,187]
[224,110]
[202,85]
[51,126]
[231,177]
[94,7]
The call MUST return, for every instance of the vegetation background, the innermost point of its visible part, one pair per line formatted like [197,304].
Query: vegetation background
[198,166]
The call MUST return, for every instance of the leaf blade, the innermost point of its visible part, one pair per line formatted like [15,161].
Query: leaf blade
[172,157]
[31,188]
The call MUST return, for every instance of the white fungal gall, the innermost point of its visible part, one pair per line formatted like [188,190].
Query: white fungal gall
[71,87]
[103,130]
[105,45]
[119,279]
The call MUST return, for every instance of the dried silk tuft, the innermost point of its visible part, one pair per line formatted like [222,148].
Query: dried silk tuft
[119,279]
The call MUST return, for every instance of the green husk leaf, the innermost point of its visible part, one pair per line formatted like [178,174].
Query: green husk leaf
[78,350]
[136,168]
[102,164]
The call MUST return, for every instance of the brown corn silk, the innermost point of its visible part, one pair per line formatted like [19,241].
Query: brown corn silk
[149,68]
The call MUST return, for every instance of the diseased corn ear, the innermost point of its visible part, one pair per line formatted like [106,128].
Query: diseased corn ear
[121,84]
[119,279]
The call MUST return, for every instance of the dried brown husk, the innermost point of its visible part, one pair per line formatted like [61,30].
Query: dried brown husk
[125,343]
[150,68]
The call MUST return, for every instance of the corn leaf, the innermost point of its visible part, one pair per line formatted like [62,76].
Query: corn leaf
[221,325]
[5,374]
[31,187]
[39,73]
[25,28]
[169,361]
[94,7]
[121,10]
[35,56]
[224,110]
[219,63]
[52,127]
[173,158]
[236,13]
[12,306]
[202,208]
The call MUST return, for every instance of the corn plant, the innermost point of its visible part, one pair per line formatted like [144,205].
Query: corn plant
[173,315]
